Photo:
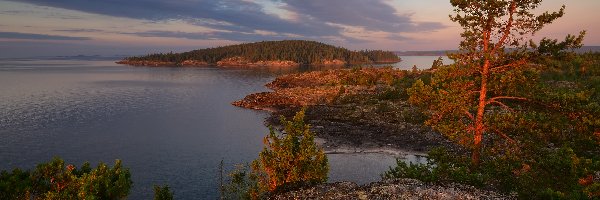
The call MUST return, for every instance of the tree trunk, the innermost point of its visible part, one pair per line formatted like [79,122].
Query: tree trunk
[479,126]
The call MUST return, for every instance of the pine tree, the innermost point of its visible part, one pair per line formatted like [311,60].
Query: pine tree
[292,159]
[485,73]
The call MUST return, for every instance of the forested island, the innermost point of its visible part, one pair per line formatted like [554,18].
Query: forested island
[267,53]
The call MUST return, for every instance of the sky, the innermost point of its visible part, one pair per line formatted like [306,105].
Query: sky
[134,27]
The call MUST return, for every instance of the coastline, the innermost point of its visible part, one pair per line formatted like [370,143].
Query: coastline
[239,62]
[354,121]
[349,118]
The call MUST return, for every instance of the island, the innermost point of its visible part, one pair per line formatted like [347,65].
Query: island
[286,53]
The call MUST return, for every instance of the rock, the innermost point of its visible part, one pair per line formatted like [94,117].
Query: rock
[146,63]
[390,189]
[330,62]
[243,62]
[362,121]
[193,63]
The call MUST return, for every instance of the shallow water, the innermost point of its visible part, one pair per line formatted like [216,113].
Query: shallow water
[168,125]
[363,168]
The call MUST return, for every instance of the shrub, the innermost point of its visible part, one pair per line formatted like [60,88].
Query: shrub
[54,180]
[441,166]
[162,193]
[554,174]
[242,184]
[292,159]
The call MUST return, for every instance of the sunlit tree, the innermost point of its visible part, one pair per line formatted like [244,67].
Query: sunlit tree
[491,70]
[291,159]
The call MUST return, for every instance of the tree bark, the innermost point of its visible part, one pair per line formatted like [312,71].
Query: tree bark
[479,125]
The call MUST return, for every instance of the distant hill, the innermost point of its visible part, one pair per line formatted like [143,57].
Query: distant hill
[268,53]
[586,49]
[583,49]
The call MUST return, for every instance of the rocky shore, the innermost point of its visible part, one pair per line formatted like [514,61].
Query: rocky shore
[390,189]
[230,62]
[242,62]
[360,111]
[162,63]
[349,109]
[146,63]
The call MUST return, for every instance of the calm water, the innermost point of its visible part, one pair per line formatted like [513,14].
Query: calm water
[422,62]
[168,125]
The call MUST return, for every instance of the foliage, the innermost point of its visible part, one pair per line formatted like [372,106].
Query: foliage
[547,147]
[437,63]
[242,184]
[54,180]
[485,76]
[287,161]
[537,108]
[558,50]
[300,51]
[292,159]
[553,174]
[162,193]
[441,166]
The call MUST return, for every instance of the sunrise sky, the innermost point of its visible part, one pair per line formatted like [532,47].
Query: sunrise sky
[130,27]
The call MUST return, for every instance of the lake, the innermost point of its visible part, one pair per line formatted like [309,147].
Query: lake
[422,62]
[169,125]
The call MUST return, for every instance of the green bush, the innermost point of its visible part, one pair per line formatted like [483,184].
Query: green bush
[242,184]
[554,174]
[292,159]
[288,160]
[441,166]
[162,193]
[54,180]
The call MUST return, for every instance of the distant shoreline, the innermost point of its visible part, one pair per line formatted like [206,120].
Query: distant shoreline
[584,49]
[234,63]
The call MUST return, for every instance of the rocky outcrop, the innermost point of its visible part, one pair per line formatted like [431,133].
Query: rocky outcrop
[334,62]
[146,63]
[319,87]
[193,63]
[162,63]
[390,189]
[230,62]
[345,107]
[242,62]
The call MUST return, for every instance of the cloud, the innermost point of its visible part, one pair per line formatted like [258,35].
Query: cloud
[240,19]
[240,36]
[236,15]
[33,36]
[373,15]
[56,15]
[82,30]
[398,37]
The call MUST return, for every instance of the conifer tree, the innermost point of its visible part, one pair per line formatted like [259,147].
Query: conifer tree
[486,73]
[292,159]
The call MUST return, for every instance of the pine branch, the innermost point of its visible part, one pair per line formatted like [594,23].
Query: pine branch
[513,7]
[508,66]
[469,115]
[504,135]
[503,105]
[507,97]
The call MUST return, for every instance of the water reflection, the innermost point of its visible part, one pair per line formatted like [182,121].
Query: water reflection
[169,125]
[421,62]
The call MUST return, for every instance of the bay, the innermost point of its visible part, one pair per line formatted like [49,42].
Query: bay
[168,125]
